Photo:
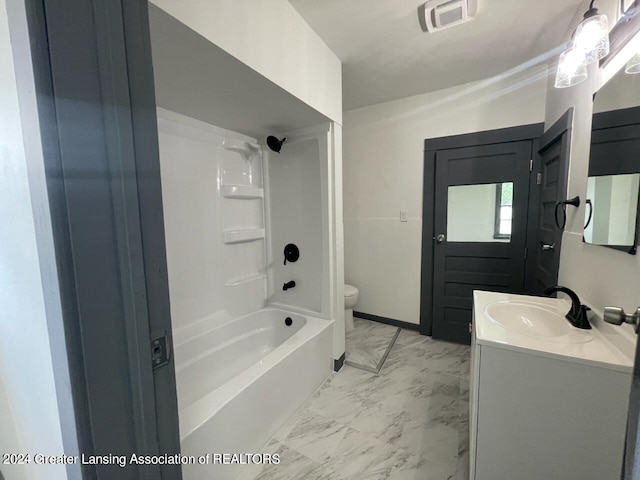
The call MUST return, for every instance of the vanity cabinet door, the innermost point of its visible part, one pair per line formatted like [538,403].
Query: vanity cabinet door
[544,418]
[473,399]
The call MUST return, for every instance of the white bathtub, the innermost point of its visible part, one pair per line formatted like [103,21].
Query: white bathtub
[239,382]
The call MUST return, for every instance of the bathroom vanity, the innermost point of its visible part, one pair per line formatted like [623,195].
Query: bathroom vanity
[548,401]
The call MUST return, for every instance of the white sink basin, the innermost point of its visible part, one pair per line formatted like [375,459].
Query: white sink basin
[537,325]
[535,320]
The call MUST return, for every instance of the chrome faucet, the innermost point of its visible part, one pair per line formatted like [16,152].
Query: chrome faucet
[577,316]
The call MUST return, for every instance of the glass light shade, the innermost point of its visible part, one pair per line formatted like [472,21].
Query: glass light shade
[633,66]
[571,68]
[592,37]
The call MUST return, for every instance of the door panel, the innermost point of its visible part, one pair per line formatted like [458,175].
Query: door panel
[94,83]
[551,168]
[489,262]
[549,233]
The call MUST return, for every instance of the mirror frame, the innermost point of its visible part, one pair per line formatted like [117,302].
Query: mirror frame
[621,36]
[604,120]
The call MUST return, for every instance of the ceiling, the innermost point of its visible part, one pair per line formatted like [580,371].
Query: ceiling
[387,56]
[196,78]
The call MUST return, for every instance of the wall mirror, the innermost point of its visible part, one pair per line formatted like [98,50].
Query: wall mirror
[613,186]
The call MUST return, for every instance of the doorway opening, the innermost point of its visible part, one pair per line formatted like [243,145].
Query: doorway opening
[486,207]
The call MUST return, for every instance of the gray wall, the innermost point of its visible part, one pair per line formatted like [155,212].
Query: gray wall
[29,407]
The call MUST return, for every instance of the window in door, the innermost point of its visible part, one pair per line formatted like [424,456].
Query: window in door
[504,211]
[479,213]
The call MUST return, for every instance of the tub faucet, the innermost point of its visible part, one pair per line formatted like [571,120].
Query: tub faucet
[288,285]
[577,316]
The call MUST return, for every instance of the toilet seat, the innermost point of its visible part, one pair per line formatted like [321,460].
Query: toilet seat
[350,291]
[350,300]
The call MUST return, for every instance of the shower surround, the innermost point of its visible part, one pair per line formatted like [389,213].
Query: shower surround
[247,353]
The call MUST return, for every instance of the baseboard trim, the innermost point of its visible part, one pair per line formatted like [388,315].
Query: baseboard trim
[388,321]
[339,363]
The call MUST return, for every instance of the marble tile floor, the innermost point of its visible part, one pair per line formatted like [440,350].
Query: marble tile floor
[409,422]
[367,344]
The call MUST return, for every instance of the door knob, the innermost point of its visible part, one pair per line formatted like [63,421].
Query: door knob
[617,316]
[440,238]
[546,247]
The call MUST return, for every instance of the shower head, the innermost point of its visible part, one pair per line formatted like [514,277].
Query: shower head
[274,143]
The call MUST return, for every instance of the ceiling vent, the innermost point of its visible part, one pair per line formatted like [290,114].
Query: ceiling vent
[441,14]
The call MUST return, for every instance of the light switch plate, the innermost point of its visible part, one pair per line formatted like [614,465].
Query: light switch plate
[403,215]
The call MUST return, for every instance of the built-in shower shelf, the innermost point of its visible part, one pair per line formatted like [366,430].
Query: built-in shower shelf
[247,151]
[242,236]
[241,191]
[243,280]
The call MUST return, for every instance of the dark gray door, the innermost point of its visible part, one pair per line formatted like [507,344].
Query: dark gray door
[96,102]
[551,184]
[480,224]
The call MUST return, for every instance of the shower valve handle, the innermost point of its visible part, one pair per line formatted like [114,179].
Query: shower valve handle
[288,285]
[291,253]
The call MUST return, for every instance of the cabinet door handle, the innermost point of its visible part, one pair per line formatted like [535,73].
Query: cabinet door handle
[617,316]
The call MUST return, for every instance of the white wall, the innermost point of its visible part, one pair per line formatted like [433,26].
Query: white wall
[622,91]
[601,276]
[383,166]
[210,281]
[29,409]
[297,214]
[273,39]
[304,206]
[336,225]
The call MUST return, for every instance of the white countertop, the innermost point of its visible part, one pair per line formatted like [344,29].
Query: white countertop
[597,351]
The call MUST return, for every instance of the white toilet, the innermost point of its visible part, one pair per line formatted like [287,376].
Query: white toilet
[350,299]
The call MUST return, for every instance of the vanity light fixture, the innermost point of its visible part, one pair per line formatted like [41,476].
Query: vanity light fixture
[592,35]
[590,43]
[571,68]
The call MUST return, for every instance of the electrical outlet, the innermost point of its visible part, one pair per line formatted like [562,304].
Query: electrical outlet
[403,215]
